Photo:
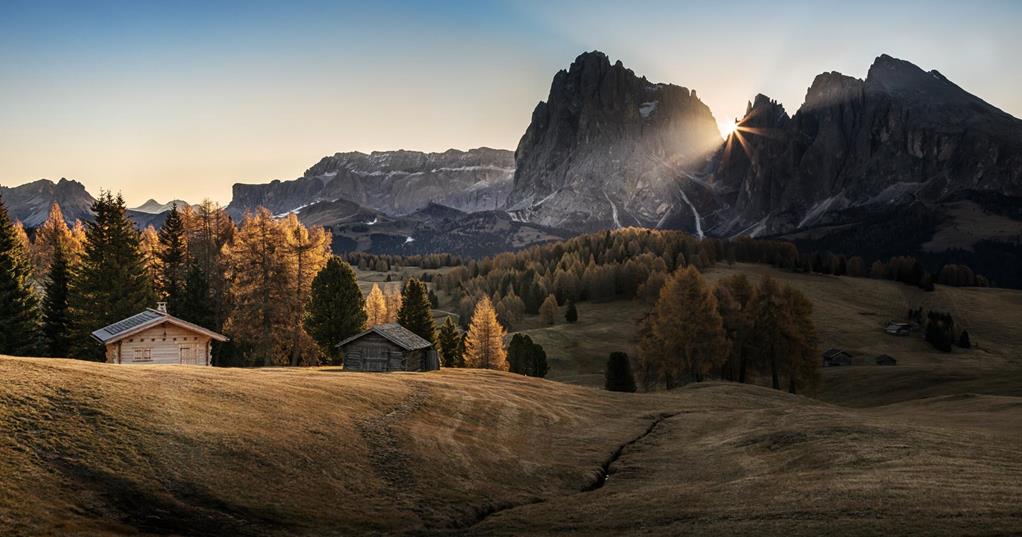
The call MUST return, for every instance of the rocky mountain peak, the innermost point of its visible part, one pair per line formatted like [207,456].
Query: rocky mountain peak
[764,112]
[607,148]
[31,202]
[830,88]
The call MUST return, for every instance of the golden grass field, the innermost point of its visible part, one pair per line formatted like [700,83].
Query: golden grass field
[927,447]
[849,314]
[93,449]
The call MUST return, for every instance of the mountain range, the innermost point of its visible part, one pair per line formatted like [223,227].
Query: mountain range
[901,162]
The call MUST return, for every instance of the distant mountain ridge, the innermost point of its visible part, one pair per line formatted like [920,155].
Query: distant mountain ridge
[30,203]
[154,207]
[903,161]
[902,135]
[393,182]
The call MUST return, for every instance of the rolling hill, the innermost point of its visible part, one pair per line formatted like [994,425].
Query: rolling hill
[92,449]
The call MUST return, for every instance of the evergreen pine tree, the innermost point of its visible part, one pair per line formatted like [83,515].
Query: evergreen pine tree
[572,314]
[19,306]
[173,260]
[964,341]
[415,313]
[484,344]
[56,312]
[450,344]
[111,282]
[337,309]
[526,357]
[618,375]
[195,303]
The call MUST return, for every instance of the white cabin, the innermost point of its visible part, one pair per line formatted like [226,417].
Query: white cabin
[156,337]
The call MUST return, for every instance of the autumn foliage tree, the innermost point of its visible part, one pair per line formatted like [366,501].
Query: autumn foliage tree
[376,307]
[54,233]
[271,264]
[484,345]
[783,336]
[548,310]
[685,335]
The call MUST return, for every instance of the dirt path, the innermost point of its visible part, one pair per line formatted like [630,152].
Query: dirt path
[389,462]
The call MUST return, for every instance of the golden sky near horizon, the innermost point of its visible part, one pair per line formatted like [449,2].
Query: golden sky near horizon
[159,101]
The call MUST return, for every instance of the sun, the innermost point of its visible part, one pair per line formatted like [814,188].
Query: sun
[727,127]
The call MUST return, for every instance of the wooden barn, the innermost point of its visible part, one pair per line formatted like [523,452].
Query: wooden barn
[156,337]
[388,347]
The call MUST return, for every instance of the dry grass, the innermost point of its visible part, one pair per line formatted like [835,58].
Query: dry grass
[747,461]
[94,449]
[849,314]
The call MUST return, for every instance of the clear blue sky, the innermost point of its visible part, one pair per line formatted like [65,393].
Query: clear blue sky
[182,99]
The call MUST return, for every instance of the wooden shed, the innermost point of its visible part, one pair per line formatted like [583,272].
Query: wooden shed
[156,337]
[836,357]
[388,347]
[885,359]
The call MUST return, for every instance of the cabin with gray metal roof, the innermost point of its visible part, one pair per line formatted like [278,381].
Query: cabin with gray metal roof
[388,347]
[156,337]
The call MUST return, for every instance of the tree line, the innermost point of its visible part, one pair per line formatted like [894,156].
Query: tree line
[272,285]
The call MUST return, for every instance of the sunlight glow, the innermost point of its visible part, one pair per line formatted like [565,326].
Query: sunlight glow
[727,127]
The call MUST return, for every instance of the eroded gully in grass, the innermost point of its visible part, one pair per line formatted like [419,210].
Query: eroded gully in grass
[601,480]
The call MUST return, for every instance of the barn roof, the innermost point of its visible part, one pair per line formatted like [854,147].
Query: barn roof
[396,334]
[145,320]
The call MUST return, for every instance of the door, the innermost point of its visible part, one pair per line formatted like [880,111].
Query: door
[188,355]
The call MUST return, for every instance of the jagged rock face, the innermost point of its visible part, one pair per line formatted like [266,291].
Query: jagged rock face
[393,182]
[31,202]
[609,149]
[900,135]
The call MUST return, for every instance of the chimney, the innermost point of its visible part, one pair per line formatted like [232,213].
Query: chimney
[161,307]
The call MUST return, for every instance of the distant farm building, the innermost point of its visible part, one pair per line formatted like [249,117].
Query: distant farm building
[388,347]
[836,357]
[884,359]
[156,337]
[897,328]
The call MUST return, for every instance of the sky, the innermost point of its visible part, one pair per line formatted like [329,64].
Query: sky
[182,99]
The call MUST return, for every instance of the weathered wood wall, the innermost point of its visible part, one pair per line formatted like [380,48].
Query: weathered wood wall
[374,352]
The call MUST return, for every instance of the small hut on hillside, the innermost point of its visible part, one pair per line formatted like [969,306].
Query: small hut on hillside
[836,357]
[156,337]
[388,347]
[885,359]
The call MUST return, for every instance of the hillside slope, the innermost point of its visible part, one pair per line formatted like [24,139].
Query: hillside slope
[100,450]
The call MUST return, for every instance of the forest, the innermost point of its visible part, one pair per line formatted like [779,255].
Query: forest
[273,286]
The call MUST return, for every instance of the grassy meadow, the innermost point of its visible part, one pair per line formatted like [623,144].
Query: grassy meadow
[926,447]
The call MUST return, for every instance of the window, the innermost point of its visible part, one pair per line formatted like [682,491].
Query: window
[143,355]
